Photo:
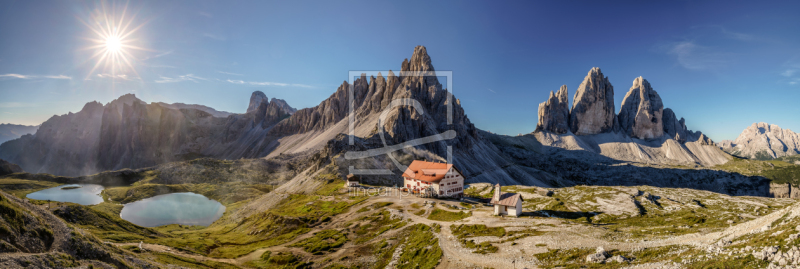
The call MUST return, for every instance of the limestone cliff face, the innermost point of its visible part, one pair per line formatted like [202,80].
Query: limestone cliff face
[641,113]
[554,113]
[765,141]
[593,105]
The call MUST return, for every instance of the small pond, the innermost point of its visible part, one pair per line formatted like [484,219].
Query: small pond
[85,194]
[175,208]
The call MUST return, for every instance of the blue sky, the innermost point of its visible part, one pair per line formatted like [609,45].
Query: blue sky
[721,65]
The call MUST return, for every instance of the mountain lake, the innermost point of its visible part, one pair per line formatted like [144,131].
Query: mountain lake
[184,208]
[85,194]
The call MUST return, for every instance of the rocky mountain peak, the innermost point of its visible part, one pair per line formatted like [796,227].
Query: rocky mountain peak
[256,99]
[593,105]
[127,99]
[420,61]
[283,105]
[641,113]
[554,113]
[765,141]
[371,97]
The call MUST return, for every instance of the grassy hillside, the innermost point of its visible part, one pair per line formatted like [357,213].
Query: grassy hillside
[38,239]
[776,170]
[794,159]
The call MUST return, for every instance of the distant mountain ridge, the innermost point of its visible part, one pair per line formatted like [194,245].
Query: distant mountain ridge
[213,112]
[13,131]
[763,141]
[129,133]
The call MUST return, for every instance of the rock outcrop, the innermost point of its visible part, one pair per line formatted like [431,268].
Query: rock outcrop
[593,106]
[676,129]
[783,190]
[725,144]
[554,113]
[764,141]
[256,99]
[641,113]
[280,103]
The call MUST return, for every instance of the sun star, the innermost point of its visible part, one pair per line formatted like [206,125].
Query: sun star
[113,43]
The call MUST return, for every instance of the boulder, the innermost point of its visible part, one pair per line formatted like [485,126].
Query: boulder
[593,105]
[618,259]
[599,256]
[554,113]
[641,111]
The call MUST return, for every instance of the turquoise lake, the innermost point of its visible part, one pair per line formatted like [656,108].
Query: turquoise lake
[175,208]
[87,194]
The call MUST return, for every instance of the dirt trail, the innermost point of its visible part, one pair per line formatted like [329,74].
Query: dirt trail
[162,248]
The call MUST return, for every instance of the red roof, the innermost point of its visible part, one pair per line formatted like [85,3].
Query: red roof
[427,171]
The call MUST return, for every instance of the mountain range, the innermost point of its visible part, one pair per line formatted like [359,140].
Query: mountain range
[587,144]
[129,133]
[763,141]
[14,131]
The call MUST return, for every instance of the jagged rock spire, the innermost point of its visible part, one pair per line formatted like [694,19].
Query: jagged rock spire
[256,99]
[641,113]
[593,105]
[554,113]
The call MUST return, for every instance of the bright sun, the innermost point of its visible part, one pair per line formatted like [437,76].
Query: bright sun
[113,43]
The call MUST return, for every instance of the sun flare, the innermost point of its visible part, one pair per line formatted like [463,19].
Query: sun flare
[112,42]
